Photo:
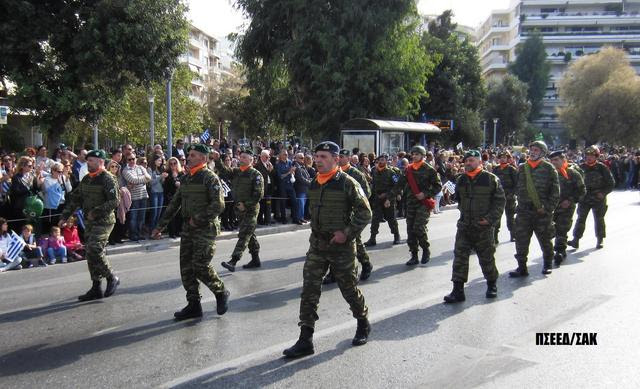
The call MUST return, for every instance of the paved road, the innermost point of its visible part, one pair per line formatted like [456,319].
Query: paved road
[130,340]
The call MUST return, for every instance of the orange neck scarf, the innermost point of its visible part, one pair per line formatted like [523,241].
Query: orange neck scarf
[591,164]
[196,169]
[323,178]
[563,170]
[534,164]
[503,165]
[345,167]
[245,168]
[417,165]
[92,175]
[472,174]
[381,168]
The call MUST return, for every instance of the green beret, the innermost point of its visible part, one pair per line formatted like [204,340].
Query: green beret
[419,149]
[558,153]
[97,154]
[199,147]
[472,153]
[345,152]
[246,151]
[328,146]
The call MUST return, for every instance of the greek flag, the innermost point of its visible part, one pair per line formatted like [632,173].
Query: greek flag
[225,188]
[5,187]
[16,244]
[80,216]
[449,187]
[205,136]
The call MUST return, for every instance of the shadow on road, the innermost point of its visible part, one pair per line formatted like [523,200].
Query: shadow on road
[32,313]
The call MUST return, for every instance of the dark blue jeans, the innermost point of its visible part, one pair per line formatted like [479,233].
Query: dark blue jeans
[136,218]
[290,193]
[157,201]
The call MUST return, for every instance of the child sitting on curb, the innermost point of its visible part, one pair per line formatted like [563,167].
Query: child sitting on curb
[55,247]
[31,254]
[75,248]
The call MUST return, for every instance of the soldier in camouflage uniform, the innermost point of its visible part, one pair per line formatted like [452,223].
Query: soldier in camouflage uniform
[599,182]
[508,175]
[339,212]
[572,191]
[200,201]
[384,185]
[361,252]
[419,205]
[481,201]
[247,186]
[538,193]
[98,197]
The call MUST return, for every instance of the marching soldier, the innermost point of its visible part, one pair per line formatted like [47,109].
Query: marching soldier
[599,182]
[572,190]
[361,252]
[481,201]
[339,212]
[98,197]
[508,176]
[247,186]
[421,184]
[200,201]
[384,183]
[538,193]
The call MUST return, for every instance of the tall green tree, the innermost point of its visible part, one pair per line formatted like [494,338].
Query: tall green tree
[456,89]
[74,58]
[319,63]
[601,93]
[532,68]
[507,101]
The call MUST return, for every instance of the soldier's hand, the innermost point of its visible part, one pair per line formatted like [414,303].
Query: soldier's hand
[240,207]
[600,196]
[483,222]
[387,203]
[156,234]
[541,211]
[192,223]
[420,196]
[565,204]
[338,237]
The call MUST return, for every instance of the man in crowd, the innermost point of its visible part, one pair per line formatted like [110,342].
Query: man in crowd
[265,167]
[286,176]
[136,178]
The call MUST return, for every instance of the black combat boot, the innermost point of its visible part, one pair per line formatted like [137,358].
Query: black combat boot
[112,285]
[413,260]
[94,293]
[521,271]
[492,290]
[396,238]
[231,265]
[329,278]
[546,267]
[559,256]
[512,238]
[191,311]
[304,345]
[222,302]
[254,263]
[457,294]
[600,244]
[574,243]
[366,271]
[371,242]
[362,332]
[426,255]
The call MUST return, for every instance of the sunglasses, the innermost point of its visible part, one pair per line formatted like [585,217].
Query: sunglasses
[131,159]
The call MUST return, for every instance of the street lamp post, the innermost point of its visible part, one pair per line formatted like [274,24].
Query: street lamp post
[152,129]
[169,129]
[495,125]
[95,134]
[484,134]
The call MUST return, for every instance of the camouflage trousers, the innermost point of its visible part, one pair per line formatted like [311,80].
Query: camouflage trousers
[380,214]
[321,257]
[197,246]
[96,236]
[528,223]
[563,219]
[247,221]
[479,239]
[361,251]
[417,219]
[510,212]
[599,210]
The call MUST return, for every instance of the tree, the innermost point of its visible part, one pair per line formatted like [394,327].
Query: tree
[74,58]
[532,68]
[456,89]
[507,101]
[318,63]
[601,93]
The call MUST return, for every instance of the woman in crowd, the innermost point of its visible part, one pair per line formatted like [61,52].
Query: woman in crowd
[55,188]
[171,184]
[119,229]
[158,175]
[23,184]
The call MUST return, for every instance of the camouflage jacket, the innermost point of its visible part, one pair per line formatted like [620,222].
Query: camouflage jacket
[247,187]
[597,179]
[98,197]
[545,180]
[481,197]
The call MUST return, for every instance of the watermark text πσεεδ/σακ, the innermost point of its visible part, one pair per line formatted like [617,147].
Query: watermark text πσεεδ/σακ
[566,338]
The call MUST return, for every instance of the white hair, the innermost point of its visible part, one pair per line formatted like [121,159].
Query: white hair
[265,152]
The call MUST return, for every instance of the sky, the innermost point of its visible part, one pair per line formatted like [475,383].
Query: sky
[219,17]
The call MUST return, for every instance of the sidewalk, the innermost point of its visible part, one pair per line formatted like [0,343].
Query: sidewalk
[166,243]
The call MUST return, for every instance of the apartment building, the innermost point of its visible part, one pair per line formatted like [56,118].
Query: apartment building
[203,58]
[570,29]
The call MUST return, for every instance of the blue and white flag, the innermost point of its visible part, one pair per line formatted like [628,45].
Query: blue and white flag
[225,188]
[80,216]
[449,187]
[205,136]
[16,244]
